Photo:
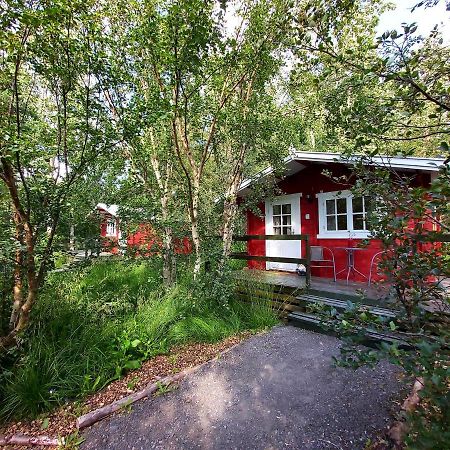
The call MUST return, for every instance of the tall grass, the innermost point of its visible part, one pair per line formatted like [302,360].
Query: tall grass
[94,323]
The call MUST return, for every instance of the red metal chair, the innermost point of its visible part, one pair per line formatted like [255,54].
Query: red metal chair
[317,256]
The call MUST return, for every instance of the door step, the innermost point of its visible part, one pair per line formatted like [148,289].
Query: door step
[313,322]
[308,298]
[371,338]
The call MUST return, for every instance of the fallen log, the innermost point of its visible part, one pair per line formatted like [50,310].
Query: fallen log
[21,439]
[98,414]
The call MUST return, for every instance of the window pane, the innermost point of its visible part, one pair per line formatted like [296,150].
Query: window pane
[341,205]
[331,206]
[276,221]
[286,209]
[286,220]
[277,230]
[358,222]
[368,203]
[342,222]
[287,230]
[276,209]
[331,223]
[357,204]
[110,227]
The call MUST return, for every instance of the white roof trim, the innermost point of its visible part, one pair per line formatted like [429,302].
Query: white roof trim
[111,209]
[400,162]
[394,162]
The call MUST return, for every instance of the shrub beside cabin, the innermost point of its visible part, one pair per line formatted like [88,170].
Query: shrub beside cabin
[316,204]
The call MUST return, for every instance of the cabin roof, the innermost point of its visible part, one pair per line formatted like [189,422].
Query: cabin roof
[110,209]
[293,164]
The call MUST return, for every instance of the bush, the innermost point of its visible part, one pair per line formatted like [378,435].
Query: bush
[94,323]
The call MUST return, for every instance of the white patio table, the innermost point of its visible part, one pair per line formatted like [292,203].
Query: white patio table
[351,261]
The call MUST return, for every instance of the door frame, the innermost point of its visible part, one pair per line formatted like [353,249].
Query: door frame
[292,198]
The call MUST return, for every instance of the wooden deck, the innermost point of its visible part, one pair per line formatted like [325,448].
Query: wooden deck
[339,289]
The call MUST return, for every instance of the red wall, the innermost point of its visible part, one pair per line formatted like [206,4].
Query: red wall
[309,182]
[145,238]
[256,225]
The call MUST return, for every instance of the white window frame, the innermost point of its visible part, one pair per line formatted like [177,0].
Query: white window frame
[111,227]
[338,234]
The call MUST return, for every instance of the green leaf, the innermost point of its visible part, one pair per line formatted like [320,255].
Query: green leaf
[135,343]
[132,364]
[45,423]
[444,146]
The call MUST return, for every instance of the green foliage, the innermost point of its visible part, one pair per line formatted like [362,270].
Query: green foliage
[388,95]
[409,220]
[111,316]
[357,90]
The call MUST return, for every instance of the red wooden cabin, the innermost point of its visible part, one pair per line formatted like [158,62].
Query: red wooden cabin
[109,227]
[143,240]
[326,211]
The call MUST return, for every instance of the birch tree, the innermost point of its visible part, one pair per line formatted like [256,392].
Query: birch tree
[193,68]
[50,132]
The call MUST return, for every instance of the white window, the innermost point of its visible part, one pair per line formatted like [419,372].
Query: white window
[282,219]
[341,215]
[111,227]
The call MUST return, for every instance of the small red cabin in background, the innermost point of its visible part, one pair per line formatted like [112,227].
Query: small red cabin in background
[325,210]
[109,227]
[142,240]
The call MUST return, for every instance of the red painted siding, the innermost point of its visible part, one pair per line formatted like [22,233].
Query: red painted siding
[309,182]
[145,239]
[256,225]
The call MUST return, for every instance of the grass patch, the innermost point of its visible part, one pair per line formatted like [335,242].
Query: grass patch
[93,324]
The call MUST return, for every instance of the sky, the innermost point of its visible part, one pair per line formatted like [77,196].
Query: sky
[426,18]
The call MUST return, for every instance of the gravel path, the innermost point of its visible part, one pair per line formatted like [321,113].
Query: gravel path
[275,390]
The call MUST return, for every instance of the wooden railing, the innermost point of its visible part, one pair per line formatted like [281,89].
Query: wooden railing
[283,237]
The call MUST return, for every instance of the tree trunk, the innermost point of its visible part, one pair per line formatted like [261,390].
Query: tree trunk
[229,214]
[194,226]
[169,267]
[32,281]
[22,440]
[18,282]
[230,205]
[23,317]
[72,238]
[234,181]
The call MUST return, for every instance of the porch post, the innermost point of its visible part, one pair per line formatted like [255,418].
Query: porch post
[308,261]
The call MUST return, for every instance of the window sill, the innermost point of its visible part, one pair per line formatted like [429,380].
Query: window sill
[345,235]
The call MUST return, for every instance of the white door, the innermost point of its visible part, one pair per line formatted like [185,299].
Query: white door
[283,218]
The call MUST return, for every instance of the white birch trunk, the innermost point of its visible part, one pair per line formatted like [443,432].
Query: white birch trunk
[194,226]
[72,238]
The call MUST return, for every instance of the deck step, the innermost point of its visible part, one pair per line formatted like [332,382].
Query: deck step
[372,338]
[341,305]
